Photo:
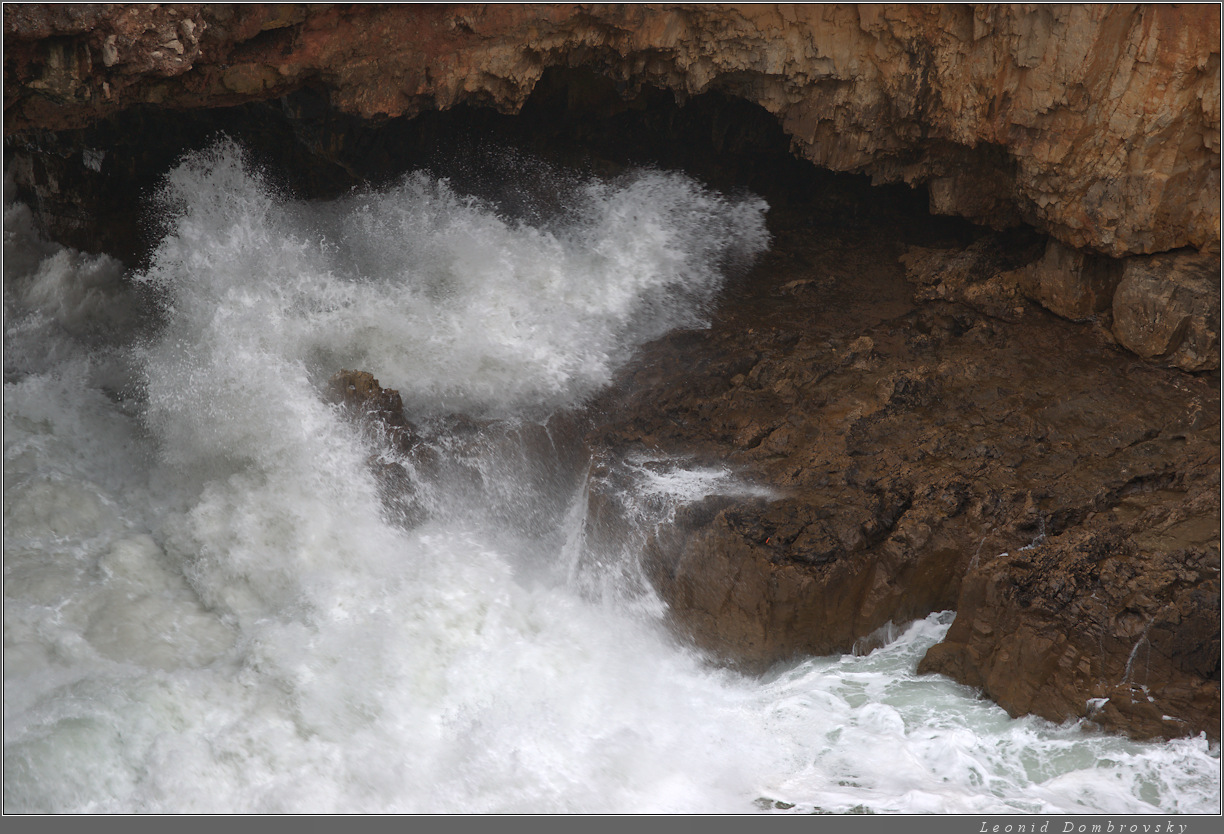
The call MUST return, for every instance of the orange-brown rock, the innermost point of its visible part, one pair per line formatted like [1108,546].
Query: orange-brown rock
[1097,123]
[1167,308]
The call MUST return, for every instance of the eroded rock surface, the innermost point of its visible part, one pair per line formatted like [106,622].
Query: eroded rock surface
[1096,123]
[910,441]
[1115,620]
[1165,308]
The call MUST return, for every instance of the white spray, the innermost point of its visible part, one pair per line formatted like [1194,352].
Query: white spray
[208,609]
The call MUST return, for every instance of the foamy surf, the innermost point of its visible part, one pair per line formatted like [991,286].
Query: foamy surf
[208,609]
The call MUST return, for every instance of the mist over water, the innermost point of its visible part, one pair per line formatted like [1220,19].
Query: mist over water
[209,606]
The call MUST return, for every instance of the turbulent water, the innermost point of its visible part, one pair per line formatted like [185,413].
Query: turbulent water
[209,605]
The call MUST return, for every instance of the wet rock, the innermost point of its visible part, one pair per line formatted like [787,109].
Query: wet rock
[757,584]
[908,434]
[380,408]
[400,494]
[380,414]
[908,442]
[1167,308]
[1115,621]
[465,455]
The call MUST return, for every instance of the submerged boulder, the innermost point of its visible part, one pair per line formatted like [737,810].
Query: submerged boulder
[380,413]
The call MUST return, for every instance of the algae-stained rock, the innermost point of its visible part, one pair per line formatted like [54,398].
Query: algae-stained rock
[1167,308]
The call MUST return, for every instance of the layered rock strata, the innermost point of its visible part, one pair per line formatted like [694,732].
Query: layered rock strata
[1096,123]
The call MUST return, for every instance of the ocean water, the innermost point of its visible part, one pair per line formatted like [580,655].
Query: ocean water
[210,607]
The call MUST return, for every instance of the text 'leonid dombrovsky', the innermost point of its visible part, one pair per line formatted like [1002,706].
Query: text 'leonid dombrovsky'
[1072,827]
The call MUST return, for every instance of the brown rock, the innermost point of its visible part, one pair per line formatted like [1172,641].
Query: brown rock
[756,585]
[1116,621]
[1071,282]
[982,275]
[380,413]
[1099,124]
[908,442]
[1167,308]
[378,408]
[359,390]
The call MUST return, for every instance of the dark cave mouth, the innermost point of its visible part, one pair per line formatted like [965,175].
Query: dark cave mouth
[90,188]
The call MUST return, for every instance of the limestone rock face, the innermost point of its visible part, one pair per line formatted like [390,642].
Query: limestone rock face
[1097,123]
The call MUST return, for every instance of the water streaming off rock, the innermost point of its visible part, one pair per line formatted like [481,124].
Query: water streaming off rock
[209,606]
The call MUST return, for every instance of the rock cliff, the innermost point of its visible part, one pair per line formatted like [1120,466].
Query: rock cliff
[1097,123]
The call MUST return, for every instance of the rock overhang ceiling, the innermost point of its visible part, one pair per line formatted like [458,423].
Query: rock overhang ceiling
[1097,124]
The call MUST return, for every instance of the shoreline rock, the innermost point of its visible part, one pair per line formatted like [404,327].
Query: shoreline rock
[379,412]
[1115,621]
[910,441]
[936,438]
